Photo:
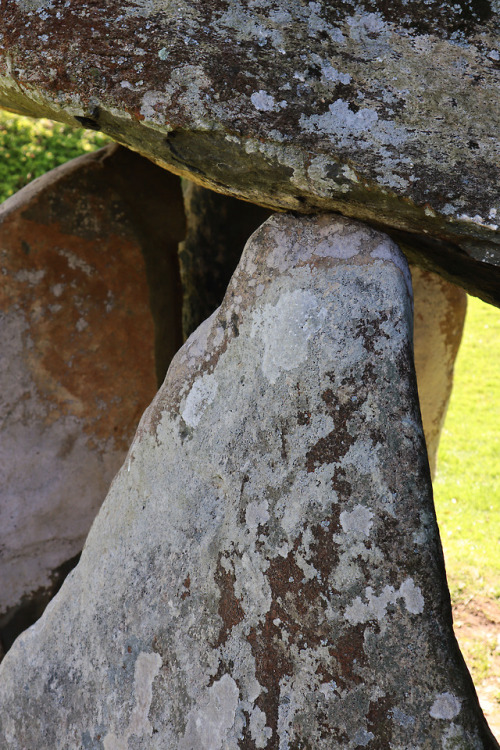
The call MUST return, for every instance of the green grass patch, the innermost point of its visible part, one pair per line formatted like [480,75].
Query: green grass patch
[467,485]
[29,148]
[479,658]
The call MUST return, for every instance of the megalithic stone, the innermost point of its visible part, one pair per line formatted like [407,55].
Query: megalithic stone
[439,320]
[266,570]
[89,280]
[296,105]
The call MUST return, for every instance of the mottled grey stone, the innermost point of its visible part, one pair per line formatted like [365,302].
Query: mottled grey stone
[217,229]
[386,112]
[266,570]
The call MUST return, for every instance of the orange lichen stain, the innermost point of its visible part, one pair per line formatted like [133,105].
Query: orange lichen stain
[89,345]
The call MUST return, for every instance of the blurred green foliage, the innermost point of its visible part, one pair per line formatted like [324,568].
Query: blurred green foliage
[29,148]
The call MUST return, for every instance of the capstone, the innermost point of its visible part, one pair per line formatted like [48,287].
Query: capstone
[385,112]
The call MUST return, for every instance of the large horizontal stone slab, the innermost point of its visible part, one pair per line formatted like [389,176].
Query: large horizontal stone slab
[384,112]
[266,571]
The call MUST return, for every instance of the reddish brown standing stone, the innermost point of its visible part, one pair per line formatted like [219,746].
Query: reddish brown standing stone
[78,323]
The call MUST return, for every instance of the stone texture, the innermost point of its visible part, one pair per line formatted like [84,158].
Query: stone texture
[266,570]
[387,112]
[439,320]
[77,365]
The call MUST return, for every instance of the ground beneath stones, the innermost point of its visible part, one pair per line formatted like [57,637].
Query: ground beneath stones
[477,627]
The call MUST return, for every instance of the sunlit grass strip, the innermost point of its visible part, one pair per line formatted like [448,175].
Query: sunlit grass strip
[467,486]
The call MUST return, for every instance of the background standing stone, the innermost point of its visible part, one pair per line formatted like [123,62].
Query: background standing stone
[217,229]
[266,570]
[77,364]
[439,318]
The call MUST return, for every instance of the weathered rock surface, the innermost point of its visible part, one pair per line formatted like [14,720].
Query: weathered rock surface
[388,112]
[266,570]
[77,363]
[439,318]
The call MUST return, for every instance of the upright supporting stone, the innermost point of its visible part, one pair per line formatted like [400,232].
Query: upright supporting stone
[89,279]
[266,570]
[440,309]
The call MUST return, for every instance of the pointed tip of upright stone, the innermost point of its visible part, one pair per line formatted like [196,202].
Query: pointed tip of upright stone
[266,570]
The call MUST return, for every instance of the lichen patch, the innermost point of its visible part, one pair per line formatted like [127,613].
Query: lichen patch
[285,330]
[358,521]
[201,395]
[446,706]
[375,607]
[147,668]
[210,722]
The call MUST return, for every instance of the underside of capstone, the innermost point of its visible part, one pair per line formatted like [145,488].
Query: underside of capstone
[386,112]
[266,570]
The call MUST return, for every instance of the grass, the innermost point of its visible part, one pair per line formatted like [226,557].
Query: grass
[467,497]
[467,486]
[29,148]
[480,655]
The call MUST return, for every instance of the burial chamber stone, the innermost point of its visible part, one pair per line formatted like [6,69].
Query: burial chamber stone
[77,365]
[217,229]
[266,570]
[386,112]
